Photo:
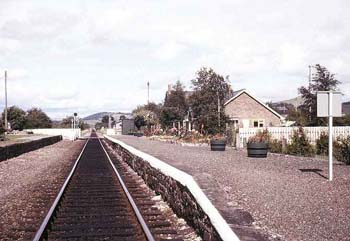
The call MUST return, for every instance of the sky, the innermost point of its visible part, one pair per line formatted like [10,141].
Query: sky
[98,55]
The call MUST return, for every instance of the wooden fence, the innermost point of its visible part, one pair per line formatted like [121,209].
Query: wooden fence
[279,133]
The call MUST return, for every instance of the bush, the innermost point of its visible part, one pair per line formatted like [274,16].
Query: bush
[263,136]
[275,146]
[341,149]
[300,145]
[322,145]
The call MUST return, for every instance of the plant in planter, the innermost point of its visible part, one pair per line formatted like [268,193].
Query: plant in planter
[257,145]
[218,142]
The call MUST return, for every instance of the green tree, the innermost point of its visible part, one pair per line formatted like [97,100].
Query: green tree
[16,117]
[208,88]
[2,130]
[175,105]
[105,120]
[36,118]
[323,80]
[83,125]
[66,122]
[98,125]
[139,121]
[294,114]
[150,113]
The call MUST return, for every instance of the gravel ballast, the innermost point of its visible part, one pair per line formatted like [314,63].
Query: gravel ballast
[28,186]
[288,197]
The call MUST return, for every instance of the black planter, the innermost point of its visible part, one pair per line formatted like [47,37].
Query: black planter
[257,149]
[218,145]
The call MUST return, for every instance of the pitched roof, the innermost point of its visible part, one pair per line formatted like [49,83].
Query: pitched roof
[239,92]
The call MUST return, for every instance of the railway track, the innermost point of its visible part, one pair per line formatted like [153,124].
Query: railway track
[94,203]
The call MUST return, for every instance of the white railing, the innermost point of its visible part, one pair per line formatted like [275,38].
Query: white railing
[69,134]
[279,133]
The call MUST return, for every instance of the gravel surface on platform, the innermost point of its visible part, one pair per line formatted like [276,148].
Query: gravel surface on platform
[288,196]
[28,185]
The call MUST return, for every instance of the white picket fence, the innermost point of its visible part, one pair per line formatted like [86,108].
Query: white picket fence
[279,133]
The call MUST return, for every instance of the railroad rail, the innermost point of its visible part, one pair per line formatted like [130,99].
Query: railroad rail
[94,203]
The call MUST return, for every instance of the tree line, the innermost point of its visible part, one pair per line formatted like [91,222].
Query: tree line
[210,89]
[35,118]
[19,119]
[200,105]
[306,113]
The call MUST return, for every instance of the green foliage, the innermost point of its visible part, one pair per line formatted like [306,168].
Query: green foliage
[105,120]
[2,129]
[36,118]
[175,106]
[208,88]
[341,149]
[294,114]
[98,125]
[261,136]
[139,121]
[322,144]
[66,122]
[83,125]
[322,81]
[300,145]
[342,121]
[150,113]
[16,117]
[275,146]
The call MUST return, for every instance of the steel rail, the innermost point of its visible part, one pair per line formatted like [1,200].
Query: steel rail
[45,223]
[140,219]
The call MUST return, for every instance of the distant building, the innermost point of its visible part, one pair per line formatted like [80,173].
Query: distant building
[346,108]
[128,126]
[244,110]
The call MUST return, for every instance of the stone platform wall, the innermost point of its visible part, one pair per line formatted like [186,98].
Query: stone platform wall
[13,150]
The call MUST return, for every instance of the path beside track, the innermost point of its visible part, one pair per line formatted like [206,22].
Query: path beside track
[28,178]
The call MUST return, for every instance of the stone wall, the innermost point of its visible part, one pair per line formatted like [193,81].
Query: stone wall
[174,193]
[13,150]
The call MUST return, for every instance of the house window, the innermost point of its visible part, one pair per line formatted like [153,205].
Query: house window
[258,123]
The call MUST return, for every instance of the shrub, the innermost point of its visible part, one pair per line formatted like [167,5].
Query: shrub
[275,146]
[300,145]
[322,144]
[341,149]
[263,136]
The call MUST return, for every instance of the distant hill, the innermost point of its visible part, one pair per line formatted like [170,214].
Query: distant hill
[97,117]
[297,101]
[280,106]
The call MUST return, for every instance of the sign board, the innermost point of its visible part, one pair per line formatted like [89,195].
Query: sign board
[323,104]
[329,105]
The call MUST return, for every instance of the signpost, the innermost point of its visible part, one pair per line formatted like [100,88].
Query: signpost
[329,105]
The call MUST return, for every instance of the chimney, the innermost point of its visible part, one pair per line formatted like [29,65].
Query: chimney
[169,88]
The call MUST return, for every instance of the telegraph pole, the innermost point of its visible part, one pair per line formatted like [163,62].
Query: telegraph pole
[218,108]
[310,77]
[6,123]
[147,92]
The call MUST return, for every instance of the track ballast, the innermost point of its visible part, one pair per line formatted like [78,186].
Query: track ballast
[94,205]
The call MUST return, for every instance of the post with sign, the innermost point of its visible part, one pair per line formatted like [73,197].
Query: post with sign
[329,105]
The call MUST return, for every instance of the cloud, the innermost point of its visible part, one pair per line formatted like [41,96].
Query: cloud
[98,55]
